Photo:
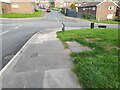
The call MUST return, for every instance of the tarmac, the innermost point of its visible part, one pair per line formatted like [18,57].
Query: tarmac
[43,62]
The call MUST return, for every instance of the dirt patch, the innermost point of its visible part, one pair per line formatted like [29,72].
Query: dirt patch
[89,39]
[111,47]
[93,39]
[98,39]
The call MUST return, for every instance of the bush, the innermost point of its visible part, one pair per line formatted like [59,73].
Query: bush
[36,10]
[72,6]
[86,16]
[117,18]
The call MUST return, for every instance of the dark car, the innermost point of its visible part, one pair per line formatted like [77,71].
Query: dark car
[48,10]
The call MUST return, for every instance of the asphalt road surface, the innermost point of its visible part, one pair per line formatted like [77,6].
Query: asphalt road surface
[16,32]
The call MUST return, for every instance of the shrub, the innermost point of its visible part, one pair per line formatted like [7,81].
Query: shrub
[72,6]
[86,16]
[117,18]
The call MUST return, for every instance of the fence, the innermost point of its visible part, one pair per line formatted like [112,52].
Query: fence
[73,13]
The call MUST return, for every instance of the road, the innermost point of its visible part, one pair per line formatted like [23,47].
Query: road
[15,33]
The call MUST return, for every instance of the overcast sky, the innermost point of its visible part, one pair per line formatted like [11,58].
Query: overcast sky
[8,1]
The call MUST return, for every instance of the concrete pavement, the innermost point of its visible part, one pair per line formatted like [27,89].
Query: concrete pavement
[43,63]
[16,32]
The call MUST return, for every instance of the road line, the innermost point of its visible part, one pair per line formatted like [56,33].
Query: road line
[47,29]
[57,20]
[10,30]
[15,27]
[4,32]
[18,26]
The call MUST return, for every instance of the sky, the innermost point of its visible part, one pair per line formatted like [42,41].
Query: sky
[8,1]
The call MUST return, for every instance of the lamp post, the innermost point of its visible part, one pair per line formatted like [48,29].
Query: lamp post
[77,13]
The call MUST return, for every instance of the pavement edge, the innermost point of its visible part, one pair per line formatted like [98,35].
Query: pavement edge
[14,60]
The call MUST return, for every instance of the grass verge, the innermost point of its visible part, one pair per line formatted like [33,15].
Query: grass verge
[16,15]
[97,68]
[105,21]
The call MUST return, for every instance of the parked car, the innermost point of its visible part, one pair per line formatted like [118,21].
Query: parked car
[48,10]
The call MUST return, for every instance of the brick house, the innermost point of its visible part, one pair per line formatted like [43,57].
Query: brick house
[63,3]
[104,10]
[118,10]
[59,4]
[17,6]
[44,3]
[22,6]
[5,6]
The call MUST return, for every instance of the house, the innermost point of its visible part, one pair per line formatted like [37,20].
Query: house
[22,6]
[17,6]
[44,3]
[63,3]
[59,4]
[104,10]
[37,4]
[5,6]
[118,10]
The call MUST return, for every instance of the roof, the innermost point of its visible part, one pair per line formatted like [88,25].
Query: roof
[91,4]
[6,1]
[107,1]
[65,0]
[22,0]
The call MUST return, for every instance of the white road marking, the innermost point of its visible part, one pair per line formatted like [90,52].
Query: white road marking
[17,26]
[10,30]
[4,32]
[47,29]
[57,20]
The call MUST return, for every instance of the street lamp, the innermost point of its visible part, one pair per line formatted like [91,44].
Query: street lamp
[77,13]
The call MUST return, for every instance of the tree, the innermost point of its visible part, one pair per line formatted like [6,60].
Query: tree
[72,6]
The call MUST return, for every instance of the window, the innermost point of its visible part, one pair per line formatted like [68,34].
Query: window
[89,8]
[83,8]
[93,8]
[111,8]
[15,6]
[110,16]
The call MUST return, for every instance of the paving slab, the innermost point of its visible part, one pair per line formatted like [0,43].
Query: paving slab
[77,47]
[60,78]
[73,44]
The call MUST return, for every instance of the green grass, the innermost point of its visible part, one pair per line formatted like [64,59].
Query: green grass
[15,15]
[97,68]
[105,21]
